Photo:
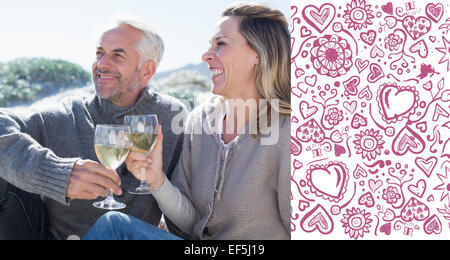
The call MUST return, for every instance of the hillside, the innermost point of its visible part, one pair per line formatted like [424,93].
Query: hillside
[34,82]
[201,68]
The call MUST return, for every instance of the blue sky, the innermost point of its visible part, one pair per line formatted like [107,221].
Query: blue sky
[62,29]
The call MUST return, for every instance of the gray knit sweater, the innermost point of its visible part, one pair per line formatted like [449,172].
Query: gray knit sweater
[39,149]
[235,191]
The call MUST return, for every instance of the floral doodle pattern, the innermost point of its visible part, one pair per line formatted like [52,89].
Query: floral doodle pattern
[370,139]
[331,56]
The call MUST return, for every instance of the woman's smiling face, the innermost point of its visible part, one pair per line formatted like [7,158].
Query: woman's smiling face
[231,61]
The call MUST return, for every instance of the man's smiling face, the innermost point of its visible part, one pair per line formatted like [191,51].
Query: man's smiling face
[115,71]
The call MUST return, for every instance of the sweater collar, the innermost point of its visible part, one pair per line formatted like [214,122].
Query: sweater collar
[111,111]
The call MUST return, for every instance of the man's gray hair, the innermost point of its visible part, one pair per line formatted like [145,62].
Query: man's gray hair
[150,47]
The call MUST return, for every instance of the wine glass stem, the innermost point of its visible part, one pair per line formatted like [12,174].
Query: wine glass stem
[143,178]
[109,197]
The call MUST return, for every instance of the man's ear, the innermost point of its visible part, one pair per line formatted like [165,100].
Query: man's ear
[147,71]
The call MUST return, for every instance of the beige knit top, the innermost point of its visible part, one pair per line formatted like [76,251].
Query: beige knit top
[238,191]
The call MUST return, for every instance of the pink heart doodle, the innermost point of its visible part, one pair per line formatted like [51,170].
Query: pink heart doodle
[433,225]
[422,126]
[311,80]
[367,200]
[297,164]
[307,110]
[375,74]
[388,8]
[350,106]
[420,47]
[368,37]
[386,229]
[359,172]
[302,205]
[396,102]
[339,150]
[434,11]
[365,93]
[416,27]
[310,131]
[319,18]
[376,52]
[418,189]
[415,210]
[358,121]
[375,185]
[328,181]
[426,165]
[439,111]
[304,32]
[296,146]
[407,140]
[317,219]
[361,65]
[351,85]
[299,72]
[297,92]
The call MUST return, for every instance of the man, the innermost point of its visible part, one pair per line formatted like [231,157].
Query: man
[48,158]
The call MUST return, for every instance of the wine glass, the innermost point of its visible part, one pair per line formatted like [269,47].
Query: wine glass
[144,134]
[112,146]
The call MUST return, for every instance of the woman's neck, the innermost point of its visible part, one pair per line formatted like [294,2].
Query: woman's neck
[239,113]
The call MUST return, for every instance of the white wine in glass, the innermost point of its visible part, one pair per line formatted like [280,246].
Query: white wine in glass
[112,146]
[144,133]
[111,156]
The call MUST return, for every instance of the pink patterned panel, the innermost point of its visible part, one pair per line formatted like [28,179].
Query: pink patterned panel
[370,119]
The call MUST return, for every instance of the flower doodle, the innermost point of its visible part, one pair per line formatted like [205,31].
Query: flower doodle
[358,14]
[369,143]
[393,42]
[356,223]
[331,55]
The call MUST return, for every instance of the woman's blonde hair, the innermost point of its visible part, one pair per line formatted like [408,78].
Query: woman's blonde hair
[267,33]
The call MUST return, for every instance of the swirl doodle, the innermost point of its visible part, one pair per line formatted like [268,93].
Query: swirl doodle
[370,140]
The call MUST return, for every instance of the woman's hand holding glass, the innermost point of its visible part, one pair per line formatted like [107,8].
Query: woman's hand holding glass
[153,164]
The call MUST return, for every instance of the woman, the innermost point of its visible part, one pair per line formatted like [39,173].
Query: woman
[235,182]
